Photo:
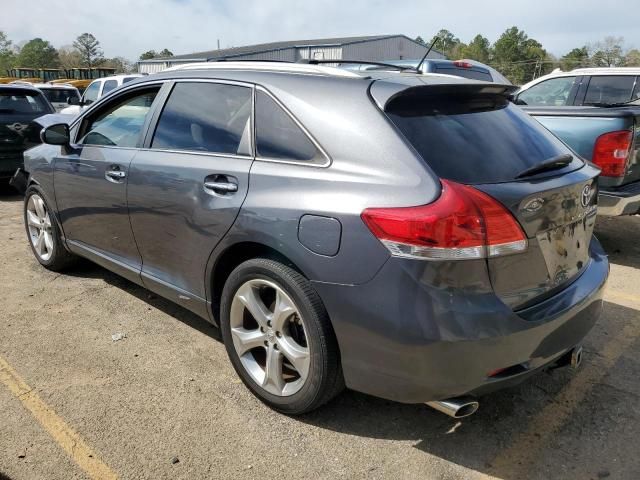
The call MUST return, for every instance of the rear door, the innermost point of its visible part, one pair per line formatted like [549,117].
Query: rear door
[187,185]
[485,141]
[608,89]
[90,178]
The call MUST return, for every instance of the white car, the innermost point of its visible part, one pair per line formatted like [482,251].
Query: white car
[58,94]
[582,87]
[98,89]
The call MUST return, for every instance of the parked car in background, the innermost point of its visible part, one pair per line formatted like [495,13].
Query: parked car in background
[20,105]
[96,90]
[59,95]
[436,244]
[460,68]
[596,111]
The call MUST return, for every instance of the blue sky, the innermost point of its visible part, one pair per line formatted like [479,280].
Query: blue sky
[129,27]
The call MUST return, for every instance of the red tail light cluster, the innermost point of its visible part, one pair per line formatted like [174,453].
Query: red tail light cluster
[463,223]
[612,151]
[462,64]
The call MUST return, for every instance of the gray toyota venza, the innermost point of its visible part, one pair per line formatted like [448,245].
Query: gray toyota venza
[416,237]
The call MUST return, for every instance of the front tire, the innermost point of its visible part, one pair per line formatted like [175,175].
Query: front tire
[279,338]
[43,232]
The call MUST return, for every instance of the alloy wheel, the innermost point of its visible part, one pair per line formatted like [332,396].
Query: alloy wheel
[39,226]
[269,337]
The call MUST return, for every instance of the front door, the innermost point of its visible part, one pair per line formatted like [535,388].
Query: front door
[187,186]
[91,182]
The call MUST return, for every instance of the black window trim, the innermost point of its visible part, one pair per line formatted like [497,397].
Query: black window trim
[309,163]
[155,118]
[78,125]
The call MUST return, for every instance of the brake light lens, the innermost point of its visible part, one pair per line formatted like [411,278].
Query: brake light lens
[463,223]
[462,64]
[612,151]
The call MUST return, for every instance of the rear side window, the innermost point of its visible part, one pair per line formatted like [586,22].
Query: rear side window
[466,73]
[108,86]
[207,117]
[278,136]
[609,89]
[473,139]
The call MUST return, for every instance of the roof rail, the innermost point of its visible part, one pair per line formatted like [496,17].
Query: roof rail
[21,82]
[267,67]
[359,62]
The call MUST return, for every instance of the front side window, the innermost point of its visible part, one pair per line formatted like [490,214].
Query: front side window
[608,89]
[278,136]
[108,86]
[206,117]
[550,93]
[119,123]
[91,93]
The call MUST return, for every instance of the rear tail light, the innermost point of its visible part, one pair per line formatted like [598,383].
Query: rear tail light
[463,223]
[612,151]
[462,64]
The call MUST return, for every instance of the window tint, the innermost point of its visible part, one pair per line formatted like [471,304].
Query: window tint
[465,73]
[550,93]
[91,93]
[59,95]
[277,135]
[128,79]
[473,139]
[21,101]
[207,117]
[120,123]
[108,86]
[609,89]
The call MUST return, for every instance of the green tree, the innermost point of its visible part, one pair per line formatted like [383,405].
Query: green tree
[519,57]
[632,59]
[121,64]
[576,58]
[7,57]
[420,40]
[148,55]
[478,49]
[38,53]
[89,48]
[608,52]
[165,53]
[447,43]
[69,57]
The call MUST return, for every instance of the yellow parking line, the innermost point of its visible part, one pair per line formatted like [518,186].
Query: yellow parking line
[516,460]
[62,433]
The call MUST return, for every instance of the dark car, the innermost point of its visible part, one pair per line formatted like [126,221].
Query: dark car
[413,236]
[19,107]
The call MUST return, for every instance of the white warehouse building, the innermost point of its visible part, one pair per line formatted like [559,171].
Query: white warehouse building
[376,48]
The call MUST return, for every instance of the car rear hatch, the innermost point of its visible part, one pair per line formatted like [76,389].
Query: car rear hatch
[470,135]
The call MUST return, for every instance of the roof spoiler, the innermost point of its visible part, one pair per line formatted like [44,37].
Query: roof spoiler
[384,92]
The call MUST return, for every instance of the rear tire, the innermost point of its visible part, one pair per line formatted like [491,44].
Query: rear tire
[43,233]
[279,338]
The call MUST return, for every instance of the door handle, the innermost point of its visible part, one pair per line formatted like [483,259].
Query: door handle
[116,174]
[221,187]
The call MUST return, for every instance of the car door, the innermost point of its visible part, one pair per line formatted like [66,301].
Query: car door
[90,179]
[187,185]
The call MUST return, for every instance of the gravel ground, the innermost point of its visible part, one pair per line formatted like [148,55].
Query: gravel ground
[164,402]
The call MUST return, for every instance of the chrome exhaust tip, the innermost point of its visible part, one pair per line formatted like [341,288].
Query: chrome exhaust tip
[458,407]
[576,357]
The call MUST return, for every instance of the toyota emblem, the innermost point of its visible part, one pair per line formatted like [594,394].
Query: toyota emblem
[585,198]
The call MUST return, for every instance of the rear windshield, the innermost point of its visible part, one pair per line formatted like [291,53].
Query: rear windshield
[59,95]
[474,139]
[20,101]
[465,72]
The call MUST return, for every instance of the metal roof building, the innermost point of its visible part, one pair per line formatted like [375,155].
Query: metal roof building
[373,48]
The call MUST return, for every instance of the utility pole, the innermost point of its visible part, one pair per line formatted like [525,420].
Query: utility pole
[218,44]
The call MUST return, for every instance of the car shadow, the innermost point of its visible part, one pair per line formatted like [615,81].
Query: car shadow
[9,194]
[86,269]
[620,237]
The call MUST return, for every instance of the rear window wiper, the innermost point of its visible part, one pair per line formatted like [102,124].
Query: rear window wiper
[552,163]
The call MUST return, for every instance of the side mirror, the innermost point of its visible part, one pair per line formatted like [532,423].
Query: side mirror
[57,134]
[73,101]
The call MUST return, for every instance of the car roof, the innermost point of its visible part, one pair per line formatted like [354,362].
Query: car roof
[121,76]
[60,86]
[25,86]
[593,71]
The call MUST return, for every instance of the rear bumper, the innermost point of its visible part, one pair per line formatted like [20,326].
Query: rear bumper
[624,200]
[403,340]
